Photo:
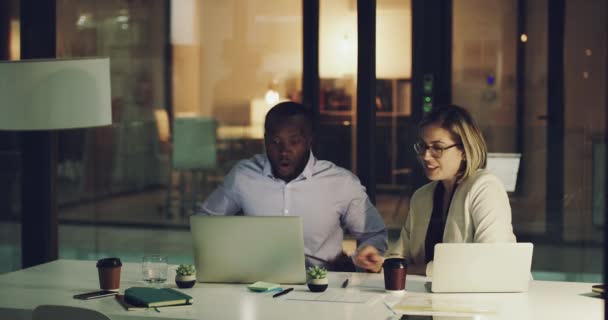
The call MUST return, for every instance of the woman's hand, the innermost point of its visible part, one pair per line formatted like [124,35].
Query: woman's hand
[369,259]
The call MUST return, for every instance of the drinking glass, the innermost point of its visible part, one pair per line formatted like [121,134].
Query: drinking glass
[154,268]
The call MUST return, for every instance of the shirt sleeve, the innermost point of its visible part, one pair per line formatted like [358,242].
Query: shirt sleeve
[400,249]
[491,212]
[362,219]
[223,200]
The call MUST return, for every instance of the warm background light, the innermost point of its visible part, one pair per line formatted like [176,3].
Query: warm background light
[162,123]
[15,45]
[338,40]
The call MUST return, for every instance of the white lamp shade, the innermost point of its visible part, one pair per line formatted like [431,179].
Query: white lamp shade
[55,94]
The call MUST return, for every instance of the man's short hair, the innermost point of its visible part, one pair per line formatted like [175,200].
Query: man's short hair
[288,109]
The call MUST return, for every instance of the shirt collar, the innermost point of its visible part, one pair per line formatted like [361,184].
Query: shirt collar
[306,173]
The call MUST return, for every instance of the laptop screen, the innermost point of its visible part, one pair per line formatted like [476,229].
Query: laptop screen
[482,267]
[245,249]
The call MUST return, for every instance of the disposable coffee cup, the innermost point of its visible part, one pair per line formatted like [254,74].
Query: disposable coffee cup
[395,270]
[109,273]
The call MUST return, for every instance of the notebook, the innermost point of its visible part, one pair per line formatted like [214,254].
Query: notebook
[120,298]
[482,267]
[155,297]
[245,249]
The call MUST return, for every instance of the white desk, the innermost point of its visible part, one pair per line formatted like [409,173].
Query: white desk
[58,281]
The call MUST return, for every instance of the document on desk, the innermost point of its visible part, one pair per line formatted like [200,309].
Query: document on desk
[338,295]
[434,305]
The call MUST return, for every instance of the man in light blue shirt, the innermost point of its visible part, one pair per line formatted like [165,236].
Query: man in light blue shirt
[289,181]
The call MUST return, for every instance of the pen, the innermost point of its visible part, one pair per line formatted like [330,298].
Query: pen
[315,258]
[286,291]
[345,283]
[389,308]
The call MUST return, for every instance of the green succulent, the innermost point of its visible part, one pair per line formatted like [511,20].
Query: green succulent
[185,270]
[317,272]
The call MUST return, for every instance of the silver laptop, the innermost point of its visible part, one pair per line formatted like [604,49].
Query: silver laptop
[245,249]
[482,267]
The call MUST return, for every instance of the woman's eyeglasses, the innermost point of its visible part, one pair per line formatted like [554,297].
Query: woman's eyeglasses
[436,151]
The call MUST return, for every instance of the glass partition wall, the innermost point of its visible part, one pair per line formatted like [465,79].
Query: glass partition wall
[558,203]
[222,64]
[338,73]
[121,191]
[111,180]
[10,153]
[394,162]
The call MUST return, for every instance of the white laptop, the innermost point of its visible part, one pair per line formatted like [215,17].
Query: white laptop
[245,249]
[482,267]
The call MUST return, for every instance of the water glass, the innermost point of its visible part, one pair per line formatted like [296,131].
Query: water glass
[154,268]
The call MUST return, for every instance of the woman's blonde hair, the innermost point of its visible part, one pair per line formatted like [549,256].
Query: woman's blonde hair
[464,131]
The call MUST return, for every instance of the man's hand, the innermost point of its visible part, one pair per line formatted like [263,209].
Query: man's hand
[369,259]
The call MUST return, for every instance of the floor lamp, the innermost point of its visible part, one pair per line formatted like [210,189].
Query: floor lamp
[37,98]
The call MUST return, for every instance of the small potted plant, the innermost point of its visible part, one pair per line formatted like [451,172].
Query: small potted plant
[184,276]
[317,279]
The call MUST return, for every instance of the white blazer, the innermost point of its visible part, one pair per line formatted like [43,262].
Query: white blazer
[479,212]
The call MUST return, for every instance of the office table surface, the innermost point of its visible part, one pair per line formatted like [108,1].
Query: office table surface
[56,282]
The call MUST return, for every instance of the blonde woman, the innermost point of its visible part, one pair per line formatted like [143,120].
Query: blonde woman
[462,203]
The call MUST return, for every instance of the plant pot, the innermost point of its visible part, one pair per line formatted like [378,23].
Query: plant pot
[317,285]
[185,281]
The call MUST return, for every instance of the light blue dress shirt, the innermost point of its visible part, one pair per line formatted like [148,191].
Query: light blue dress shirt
[330,200]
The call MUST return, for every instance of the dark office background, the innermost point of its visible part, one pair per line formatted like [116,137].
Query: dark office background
[532,72]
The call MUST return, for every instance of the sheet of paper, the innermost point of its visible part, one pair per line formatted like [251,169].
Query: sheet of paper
[343,296]
[426,304]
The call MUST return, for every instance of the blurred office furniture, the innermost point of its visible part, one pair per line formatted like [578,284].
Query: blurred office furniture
[395,128]
[506,167]
[137,161]
[162,127]
[193,156]
[125,157]
[52,312]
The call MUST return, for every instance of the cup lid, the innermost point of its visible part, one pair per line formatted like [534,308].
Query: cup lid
[394,263]
[108,263]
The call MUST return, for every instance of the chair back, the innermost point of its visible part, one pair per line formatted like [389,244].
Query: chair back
[194,143]
[54,312]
